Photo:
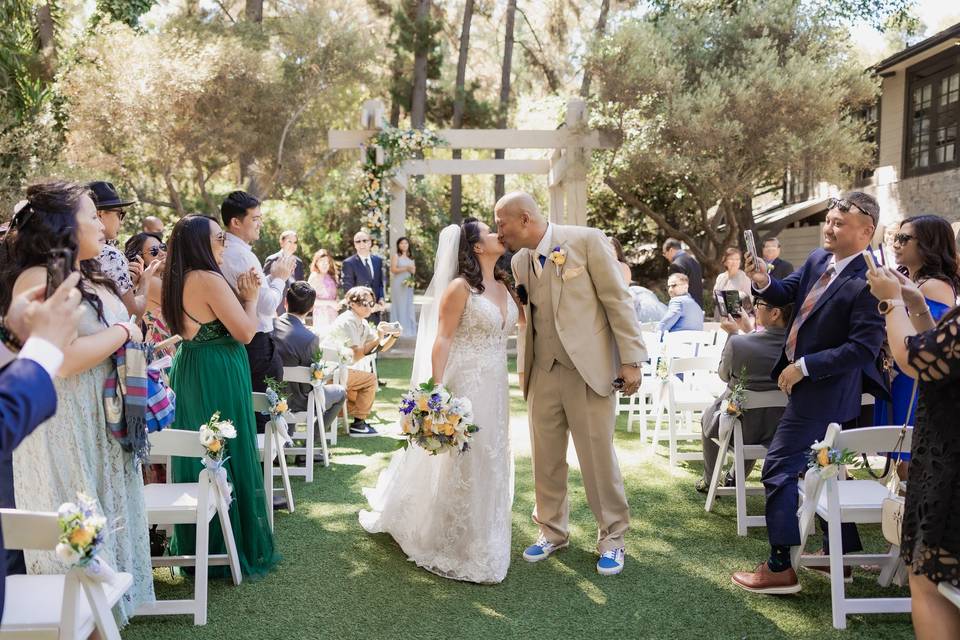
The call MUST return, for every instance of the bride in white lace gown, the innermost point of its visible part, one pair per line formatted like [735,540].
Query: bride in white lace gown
[451,513]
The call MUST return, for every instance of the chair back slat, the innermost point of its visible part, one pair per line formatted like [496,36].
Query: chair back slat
[29,529]
[301,375]
[176,442]
[764,399]
[260,402]
[682,365]
[690,337]
[873,440]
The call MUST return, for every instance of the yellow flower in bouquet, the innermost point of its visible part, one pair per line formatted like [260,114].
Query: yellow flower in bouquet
[82,536]
[447,429]
[214,446]
[823,457]
[422,403]
[317,374]
[427,425]
[406,425]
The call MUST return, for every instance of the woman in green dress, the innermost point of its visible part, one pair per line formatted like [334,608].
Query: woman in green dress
[211,373]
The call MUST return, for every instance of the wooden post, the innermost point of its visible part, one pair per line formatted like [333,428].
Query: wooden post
[577,161]
[398,211]
[555,183]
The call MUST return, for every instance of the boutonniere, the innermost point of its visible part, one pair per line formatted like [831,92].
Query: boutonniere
[558,257]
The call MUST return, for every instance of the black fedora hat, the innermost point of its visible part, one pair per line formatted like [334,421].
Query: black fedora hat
[105,196]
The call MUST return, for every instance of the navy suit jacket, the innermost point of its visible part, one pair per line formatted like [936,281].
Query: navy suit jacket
[27,398]
[354,274]
[839,341]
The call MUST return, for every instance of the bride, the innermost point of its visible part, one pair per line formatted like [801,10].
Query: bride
[451,513]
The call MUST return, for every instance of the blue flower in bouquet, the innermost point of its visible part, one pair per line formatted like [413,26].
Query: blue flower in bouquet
[435,403]
[407,405]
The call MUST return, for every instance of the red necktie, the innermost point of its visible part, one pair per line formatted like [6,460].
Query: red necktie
[809,303]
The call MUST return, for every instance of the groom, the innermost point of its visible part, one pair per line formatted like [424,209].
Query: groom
[581,333]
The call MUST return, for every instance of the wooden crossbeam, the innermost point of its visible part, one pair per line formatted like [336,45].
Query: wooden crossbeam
[492,139]
[474,167]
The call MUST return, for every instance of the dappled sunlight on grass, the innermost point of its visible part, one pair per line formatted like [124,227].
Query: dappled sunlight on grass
[337,581]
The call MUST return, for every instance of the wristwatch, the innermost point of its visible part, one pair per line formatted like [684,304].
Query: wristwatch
[888,305]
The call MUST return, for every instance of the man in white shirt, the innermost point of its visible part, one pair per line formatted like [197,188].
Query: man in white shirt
[242,220]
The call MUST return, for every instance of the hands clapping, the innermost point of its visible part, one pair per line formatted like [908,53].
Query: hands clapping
[248,286]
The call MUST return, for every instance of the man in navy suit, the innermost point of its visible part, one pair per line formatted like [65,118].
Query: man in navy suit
[27,394]
[829,360]
[364,270]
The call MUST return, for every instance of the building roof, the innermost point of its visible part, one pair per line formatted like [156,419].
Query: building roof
[780,215]
[934,40]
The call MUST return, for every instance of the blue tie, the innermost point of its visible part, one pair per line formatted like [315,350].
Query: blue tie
[543,260]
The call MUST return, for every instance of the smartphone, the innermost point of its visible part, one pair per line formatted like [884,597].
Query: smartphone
[721,304]
[732,302]
[871,263]
[619,383]
[59,266]
[751,245]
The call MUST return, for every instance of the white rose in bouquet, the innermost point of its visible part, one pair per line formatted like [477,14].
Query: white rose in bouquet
[66,509]
[66,553]
[227,430]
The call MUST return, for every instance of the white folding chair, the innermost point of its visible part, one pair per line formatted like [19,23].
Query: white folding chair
[673,340]
[732,427]
[694,394]
[193,503]
[837,500]
[271,444]
[949,592]
[64,606]
[712,326]
[640,404]
[340,376]
[312,416]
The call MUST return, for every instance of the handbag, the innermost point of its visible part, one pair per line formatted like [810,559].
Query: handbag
[892,507]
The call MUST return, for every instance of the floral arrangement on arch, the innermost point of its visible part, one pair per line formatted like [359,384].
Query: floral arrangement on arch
[431,418]
[398,145]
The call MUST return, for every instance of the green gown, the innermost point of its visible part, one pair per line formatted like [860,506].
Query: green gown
[211,373]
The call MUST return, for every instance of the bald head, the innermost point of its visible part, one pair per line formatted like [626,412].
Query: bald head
[520,224]
[153,224]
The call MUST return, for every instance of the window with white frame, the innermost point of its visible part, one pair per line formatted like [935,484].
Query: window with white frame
[933,115]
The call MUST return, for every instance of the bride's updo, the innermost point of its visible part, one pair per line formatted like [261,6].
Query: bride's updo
[468,266]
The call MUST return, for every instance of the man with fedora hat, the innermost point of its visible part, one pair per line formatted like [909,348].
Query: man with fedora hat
[110,209]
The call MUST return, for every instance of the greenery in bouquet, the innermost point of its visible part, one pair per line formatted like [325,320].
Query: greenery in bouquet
[214,435]
[431,418]
[662,371]
[735,400]
[81,531]
[276,395]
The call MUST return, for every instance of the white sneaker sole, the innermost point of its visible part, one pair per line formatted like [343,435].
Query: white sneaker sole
[610,572]
[544,556]
[363,435]
[773,591]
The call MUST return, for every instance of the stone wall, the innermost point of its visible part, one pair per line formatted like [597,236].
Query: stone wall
[937,193]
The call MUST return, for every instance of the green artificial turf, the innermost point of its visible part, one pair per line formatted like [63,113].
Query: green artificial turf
[336,581]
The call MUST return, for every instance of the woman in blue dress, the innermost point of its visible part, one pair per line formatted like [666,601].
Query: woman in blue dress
[926,252]
[402,270]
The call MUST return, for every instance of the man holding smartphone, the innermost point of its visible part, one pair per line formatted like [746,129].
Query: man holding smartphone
[829,360]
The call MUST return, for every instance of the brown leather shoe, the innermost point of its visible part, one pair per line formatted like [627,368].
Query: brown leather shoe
[762,580]
[825,570]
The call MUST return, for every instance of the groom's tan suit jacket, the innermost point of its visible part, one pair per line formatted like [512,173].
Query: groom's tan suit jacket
[592,310]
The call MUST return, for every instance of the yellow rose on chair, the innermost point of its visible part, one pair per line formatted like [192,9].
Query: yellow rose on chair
[82,536]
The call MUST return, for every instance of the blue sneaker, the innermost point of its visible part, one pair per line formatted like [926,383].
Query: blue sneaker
[541,550]
[611,562]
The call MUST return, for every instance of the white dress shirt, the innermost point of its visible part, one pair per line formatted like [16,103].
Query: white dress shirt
[43,353]
[239,258]
[543,249]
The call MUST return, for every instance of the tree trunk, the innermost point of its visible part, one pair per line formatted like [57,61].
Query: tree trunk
[47,35]
[249,176]
[456,181]
[498,181]
[418,107]
[254,10]
[598,32]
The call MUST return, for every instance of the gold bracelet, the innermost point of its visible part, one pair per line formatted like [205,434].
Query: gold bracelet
[920,314]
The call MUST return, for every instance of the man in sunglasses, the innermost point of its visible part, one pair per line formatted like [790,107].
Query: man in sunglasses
[363,269]
[111,209]
[829,360]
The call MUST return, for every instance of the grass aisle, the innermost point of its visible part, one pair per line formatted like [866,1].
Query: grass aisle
[336,581]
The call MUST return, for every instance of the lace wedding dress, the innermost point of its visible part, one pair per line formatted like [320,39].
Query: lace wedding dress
[451,513]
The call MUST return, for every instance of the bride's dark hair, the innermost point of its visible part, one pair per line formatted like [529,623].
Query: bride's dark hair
[468,266]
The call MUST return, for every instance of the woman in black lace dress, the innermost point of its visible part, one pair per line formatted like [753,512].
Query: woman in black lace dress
[931,524]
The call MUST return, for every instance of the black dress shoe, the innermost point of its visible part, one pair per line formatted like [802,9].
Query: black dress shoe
[280,502]
[382,383]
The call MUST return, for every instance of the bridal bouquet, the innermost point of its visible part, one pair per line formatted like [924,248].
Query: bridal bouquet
[433,419]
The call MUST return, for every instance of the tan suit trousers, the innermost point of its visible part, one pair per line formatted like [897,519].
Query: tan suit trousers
[361,389]
[561,402]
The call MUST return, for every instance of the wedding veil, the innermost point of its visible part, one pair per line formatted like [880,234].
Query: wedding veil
[444,271]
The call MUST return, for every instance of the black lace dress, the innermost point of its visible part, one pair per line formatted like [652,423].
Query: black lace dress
[931,522]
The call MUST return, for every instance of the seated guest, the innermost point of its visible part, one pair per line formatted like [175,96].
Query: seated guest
[298,346]
[352,330]
[752,355]
[683,313]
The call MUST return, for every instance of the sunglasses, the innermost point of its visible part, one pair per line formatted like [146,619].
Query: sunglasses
[365,303]
[157,248]
[220,237]
[361,242]
[903,238]
[844,206]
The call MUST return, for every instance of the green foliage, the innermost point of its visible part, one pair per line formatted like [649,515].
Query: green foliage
[715,103]
[126,11]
